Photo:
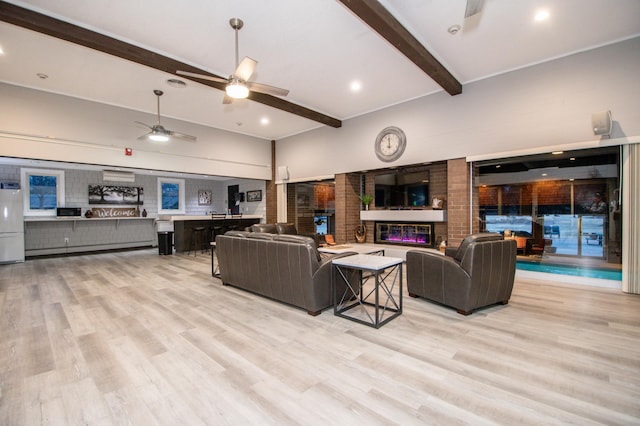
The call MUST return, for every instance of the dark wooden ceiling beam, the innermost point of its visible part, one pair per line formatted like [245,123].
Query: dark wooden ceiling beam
[385,24]
[44,24]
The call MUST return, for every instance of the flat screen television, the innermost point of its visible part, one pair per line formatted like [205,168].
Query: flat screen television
[402,190]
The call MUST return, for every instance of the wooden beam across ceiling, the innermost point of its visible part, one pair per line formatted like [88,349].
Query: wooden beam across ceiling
[385,24]
[53,27]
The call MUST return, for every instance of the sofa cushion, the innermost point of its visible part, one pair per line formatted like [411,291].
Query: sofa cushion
[264,227]
[261,236]
[237,233]
[286,228]
[300,239]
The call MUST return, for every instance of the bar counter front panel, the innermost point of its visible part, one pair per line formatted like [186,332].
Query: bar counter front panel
[182,227]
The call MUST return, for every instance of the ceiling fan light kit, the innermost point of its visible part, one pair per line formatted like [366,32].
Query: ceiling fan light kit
[238,85]
[236,89]
[158,137]
[158,133]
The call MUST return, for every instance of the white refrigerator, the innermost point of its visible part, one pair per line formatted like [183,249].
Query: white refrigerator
[11,226]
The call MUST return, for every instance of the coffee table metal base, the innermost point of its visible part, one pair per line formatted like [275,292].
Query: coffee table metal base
[215,272]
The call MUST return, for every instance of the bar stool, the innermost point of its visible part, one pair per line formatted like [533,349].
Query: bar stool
[198,240]
[236,223]
[218,226]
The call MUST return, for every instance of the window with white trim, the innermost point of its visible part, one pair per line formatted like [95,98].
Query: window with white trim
[171,199]
[43,191]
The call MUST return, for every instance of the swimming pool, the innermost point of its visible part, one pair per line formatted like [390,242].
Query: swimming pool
[604,274]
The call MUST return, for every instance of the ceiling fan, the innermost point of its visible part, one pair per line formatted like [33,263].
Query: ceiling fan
[473,7]
[158,133]
[238,84]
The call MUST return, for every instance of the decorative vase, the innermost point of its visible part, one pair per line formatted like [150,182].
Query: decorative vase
[144,212]
[361,233]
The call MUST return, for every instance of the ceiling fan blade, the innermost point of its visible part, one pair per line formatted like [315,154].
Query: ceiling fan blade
[204,77]
[227,99]
[473,7]
[182,136]
[265,88]
[144,137]
[245,69]
[145,125]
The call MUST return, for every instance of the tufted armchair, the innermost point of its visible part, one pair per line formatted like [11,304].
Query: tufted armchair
[479,273]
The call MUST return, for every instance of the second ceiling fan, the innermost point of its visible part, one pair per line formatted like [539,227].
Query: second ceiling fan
[238,84]
[473,7]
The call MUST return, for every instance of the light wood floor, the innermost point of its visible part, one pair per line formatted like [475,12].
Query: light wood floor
[137,338]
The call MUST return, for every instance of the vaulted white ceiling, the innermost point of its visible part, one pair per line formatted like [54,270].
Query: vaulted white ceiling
[314,48]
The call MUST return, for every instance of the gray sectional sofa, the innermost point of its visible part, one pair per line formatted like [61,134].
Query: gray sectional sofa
[287,268]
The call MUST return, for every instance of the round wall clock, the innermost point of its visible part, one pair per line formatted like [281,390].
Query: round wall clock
[390,143]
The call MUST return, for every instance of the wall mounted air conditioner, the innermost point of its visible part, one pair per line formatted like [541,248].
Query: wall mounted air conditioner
[118,176]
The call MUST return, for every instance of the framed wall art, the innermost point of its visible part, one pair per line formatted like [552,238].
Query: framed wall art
[112,194]
[254,195]
[204,197]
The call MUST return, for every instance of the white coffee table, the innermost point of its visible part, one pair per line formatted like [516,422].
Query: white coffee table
[355,301]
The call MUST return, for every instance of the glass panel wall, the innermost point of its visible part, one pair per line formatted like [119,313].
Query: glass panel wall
[311,206]
[561,207]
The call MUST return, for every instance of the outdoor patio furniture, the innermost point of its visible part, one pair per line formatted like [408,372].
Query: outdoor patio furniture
[593,238]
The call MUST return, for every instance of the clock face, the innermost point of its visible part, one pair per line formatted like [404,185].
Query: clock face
[390,144]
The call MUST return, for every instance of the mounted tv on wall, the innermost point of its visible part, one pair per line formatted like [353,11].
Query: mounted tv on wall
[402,190]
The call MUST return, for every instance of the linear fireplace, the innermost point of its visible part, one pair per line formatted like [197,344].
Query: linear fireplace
[404,233]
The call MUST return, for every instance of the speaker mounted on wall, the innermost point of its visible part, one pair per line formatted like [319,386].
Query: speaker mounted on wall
[601,123]
[283,173]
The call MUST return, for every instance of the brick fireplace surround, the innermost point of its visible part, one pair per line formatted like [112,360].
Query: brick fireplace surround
[449,179]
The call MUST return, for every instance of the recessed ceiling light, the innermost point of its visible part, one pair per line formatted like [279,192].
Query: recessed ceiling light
[355,86]
[174,82]
[544,174]
[557,152]
[572,158]
[571,180]
[542,15]
[498,166]
[264,121]
[42,76]
[453,30]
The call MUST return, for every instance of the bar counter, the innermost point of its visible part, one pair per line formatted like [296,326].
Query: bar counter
[183,225]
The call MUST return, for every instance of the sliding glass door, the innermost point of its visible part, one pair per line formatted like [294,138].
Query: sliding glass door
[556,206]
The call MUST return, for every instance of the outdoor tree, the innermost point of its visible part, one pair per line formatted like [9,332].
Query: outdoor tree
[43,189]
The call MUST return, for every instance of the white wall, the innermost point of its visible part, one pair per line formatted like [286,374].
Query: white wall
[63,128]
[244,185]
[544,105]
